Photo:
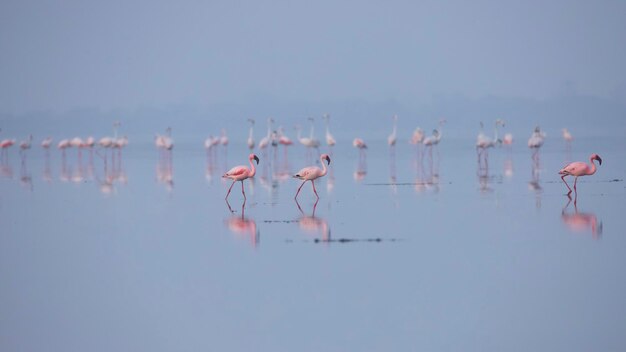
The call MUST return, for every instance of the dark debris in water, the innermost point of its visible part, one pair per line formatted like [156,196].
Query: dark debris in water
[588,181]
[280,221]
[405,184]
[350,240]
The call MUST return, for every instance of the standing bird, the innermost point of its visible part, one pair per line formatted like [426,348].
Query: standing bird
[417,137]
[330,140]
[240,173]
[359,143]
[391,140]
[312,173]
[265,141]
[251,135]
[578,169]
[536,139]
[567,136]
[46,143]
[25,144]
[224,138]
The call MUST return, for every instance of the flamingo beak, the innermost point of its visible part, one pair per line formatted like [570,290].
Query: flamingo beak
[257,159]
[599,159]
[328,159]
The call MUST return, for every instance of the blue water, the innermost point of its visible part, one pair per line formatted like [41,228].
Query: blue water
[398,254]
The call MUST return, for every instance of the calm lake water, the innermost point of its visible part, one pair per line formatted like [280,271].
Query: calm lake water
[398,254]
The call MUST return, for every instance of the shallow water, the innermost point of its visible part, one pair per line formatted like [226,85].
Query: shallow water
[398,254]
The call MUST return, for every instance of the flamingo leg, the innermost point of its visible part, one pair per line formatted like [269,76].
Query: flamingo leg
[243,192]
[231,187]
[570,190]
[575,180]
[314,190]
[299,188]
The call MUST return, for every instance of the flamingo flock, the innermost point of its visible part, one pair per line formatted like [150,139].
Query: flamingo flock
[111,147]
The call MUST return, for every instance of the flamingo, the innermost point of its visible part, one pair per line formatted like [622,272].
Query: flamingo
[330,140]
[63,144]
[240,173]
[224,138]
[265,141]
[417,137]
[579,168]
[312,173]
[432,140]
[46,143]
[5,144]
[359,143]
[536,139]
[282,138]
[507,139]
[26,144]
[251,135]
[391,140]
[308,142]
[567,136]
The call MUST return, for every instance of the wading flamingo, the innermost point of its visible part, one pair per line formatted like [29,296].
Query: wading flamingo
[567,136]
[417,137]
[251,135]
[25,144]
[330,140]
[240,173]
[391,140]
[578,169]
[536,140]
[46,143]
[312,173]
[265,141]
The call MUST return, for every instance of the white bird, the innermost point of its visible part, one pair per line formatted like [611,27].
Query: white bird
[330,140]
[536,139]
[359,143]
[25,144]
[567,136]
[306,141]
[265,141]
[251,135]
[417,137]
[46,143]
[224,138]
[391,140]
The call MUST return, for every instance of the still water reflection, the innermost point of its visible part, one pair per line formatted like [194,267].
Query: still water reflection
[497,260]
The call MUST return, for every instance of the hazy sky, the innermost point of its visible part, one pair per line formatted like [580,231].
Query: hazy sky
[59,55]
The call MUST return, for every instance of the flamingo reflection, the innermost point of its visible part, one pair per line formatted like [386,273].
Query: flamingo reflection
[535,184]
[313,224]
[581,222]
[242,226]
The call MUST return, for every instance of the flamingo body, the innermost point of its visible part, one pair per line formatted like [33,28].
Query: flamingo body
[240,173]
[579,168]
[312,173]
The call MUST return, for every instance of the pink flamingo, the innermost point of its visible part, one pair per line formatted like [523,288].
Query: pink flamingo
[312,173]
[578,169]
[240,173]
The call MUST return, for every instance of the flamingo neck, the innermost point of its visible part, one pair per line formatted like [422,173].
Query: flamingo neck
[250,132]
[593,167]
[252,169]
[312,129]
[324,169]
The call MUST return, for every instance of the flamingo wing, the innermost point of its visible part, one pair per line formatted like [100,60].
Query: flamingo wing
[307,173]
[575,169]
[236,171]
